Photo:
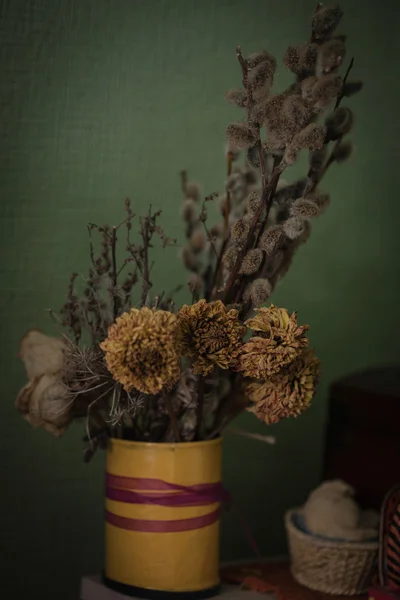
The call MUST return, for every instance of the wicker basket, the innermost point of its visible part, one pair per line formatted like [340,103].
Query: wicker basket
[333,567]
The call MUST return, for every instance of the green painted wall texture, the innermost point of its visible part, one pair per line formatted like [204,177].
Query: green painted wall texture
[103,99]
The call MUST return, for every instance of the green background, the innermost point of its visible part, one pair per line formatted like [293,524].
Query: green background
[103,99]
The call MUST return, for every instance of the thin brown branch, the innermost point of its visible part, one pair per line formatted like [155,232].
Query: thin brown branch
[199,407]
[341,95]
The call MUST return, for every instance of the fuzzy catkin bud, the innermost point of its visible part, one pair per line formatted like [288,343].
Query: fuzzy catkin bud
[305,209]
[261,74]
[294,227]
[192,190]
[195,282]
[311,137]
[342,152]
[352,87]
[198,241]
[237,97]
[321,200]
[325,90]
[253,202]
[339,123]
[260,290]
[189,259]
[271,238]
[253,157]
[240,231]
[217,230]
[189,210]
[317,159]
[241,135]
[251,262]
[331,55]
[325,21]
[230,257]
[253,60]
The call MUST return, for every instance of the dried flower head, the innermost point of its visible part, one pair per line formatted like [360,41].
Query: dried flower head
[271,238]
[339,123]
[294,227]
[277,340]
[141,350]
[210,335]
[305,209]
[325,21]
[251,262]
[238,97]
[241,135]
[287,394]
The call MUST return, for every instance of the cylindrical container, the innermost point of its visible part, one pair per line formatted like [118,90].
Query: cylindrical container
[162,519]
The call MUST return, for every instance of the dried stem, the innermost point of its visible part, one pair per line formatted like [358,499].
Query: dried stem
[341,95]
[114,273]
[199,407]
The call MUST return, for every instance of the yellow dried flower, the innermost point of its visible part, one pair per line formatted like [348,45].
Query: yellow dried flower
[288,394]
[277,341]
[141,350]
[210,335]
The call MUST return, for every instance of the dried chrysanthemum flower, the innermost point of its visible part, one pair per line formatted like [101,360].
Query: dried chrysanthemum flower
[240,231]
[258,292]
[141,350]
[237,97]
[294,227]
[325,21]
[271,238]
[241,135]
[251,262]
[339,123]
[331,55]
[342,151]
[287,394]
[189,210]
[210,335]
[304,208]
[277,341]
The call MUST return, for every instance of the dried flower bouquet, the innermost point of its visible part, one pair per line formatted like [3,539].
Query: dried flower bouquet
[138,368]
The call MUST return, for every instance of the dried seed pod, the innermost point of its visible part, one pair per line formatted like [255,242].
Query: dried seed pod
[240,231]
[271,238]
[251,262]
[189,210]
[241,135]
[259,291]
[342,151]
[237,97]
[294,227]
[339,123]
[325,21]
[304,208]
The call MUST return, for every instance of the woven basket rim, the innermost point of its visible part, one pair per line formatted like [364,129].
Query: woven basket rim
[323,543]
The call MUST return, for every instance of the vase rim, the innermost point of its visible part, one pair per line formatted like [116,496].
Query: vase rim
[162,445]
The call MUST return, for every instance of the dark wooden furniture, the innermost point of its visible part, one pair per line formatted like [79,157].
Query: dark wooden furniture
[363,435]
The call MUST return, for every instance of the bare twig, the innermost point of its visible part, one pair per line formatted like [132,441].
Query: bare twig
[199,407]
[173,419]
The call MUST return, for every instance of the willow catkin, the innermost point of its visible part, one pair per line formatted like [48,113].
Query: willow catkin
[331,55]
[312,137]
[240,231]
[271,238]
[253,202]
[342,152]
[294,227]
[324,91]
[256,58]
[304,208]
[251,262]
[189,210]
[339,123]
[241,135]
[189,259]
[198,240]
[192,190]
[259,292]
[195,282]
[238,97]
[352,87]
[230,257]
[325,21]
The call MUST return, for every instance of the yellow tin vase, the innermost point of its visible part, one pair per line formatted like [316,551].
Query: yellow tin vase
[162,518]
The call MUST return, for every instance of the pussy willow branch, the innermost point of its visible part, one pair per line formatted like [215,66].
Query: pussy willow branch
[173,419]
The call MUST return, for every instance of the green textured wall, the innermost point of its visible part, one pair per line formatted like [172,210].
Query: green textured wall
[101,99]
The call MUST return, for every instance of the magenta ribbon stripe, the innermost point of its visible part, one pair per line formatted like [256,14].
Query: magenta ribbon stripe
[134,490]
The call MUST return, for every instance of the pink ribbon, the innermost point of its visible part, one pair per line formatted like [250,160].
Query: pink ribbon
[133,490]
